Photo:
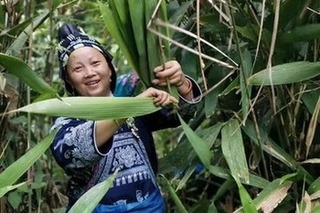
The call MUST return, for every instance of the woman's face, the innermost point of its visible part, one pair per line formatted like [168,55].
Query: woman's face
[88,72]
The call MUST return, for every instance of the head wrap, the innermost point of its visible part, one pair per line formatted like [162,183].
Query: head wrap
[71,38]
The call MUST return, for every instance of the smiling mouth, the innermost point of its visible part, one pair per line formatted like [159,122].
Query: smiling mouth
[92,83]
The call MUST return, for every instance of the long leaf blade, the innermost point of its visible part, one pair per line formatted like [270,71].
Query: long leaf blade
[114,31]
[20,69]
[88,201]
[20,41]
[11,174]
[233,150]
[200,147]
[286,73]
[137,15]
[93,108]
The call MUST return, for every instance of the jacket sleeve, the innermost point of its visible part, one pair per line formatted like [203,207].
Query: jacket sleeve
[74,146]
[167,118]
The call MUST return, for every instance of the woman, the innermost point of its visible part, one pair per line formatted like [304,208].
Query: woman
[89,151]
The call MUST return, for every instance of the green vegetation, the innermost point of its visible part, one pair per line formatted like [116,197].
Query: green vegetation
[253,144]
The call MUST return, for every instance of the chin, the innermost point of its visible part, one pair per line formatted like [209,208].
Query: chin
[99,94]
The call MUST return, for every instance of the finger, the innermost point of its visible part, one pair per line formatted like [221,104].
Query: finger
[174,100]
[169,69]
[159,82]
[165,99]
[157,98]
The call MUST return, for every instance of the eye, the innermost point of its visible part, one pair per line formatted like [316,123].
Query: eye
[77,69]
[95,63]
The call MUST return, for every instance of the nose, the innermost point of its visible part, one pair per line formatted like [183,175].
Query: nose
[89,72]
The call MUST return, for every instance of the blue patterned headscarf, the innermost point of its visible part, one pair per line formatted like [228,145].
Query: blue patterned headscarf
[71,38]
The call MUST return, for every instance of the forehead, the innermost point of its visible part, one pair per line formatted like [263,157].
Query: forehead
[85,53]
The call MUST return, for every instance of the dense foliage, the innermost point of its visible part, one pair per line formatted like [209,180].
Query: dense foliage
[257,137]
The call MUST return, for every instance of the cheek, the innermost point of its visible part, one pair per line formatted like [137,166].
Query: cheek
[73,80]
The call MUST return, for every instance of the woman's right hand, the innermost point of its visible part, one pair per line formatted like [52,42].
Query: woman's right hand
[160,97]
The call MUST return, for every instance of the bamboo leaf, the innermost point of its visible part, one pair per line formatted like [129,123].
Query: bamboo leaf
[212,208]
[183,155]
[180,11]
[272,148]
[88,201]
[305,204]
[174,196]
[314,187]
[310,100]
[165,30]
[92,108]
[233,150]
[114,31]
[270,197]
[245,89]
[286,73]
[302,33]
[137,14]
[152,42]
[312,127]
[20,69]
[200,147]
[6,189]
[246,201]
[228,185]
[11,174]
[225,174]
[121,13]
[268,145]
[20,41]
[15,30]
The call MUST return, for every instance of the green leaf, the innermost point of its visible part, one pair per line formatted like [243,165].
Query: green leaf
[199,145]
[286,73]
[273,194]
[210,102]
[179,12]
[174,196]
[114,31]
[121,13]
[273,149]
[246,201]
[305,32]
[268,145]
[162,14]
[233,150]
[152,41]
[183,154]
[254,180]
[20,41]
[11,174]
[315,186]
[92,108]
[20,69]
[6,189]
[137,14]
[88,201]
[310,100]
[15,30]
[212,208]
[245,72]
[227,186]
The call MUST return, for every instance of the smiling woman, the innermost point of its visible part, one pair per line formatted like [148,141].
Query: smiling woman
[88,72]
[90,151]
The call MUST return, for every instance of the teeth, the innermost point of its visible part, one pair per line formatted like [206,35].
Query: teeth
[92,82]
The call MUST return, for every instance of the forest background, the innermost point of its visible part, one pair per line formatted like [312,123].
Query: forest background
[253,144]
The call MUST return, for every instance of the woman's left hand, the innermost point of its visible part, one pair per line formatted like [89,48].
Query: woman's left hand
[170,72]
